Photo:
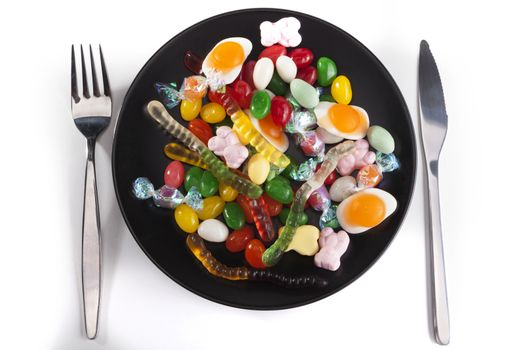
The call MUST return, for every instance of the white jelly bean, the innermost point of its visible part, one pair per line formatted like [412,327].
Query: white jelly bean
[262,73]
[213,230]
[286,68]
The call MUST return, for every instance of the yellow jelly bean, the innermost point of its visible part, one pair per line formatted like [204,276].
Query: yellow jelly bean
[227,193]
[341,90]
[189,110]
[212,113]
[244,141]
[258,168]
[211,208]
[186,218]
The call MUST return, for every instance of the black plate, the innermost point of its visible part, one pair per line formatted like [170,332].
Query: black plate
[138,145]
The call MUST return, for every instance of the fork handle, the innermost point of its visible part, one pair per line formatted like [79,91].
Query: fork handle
[438,285]
[91,246]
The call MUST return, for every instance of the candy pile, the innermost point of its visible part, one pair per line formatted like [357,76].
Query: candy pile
[241,117]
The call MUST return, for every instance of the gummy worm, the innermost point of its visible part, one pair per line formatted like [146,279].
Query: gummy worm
[244,125]
[196,245]
[262,219]
[273,254]
[158,112]
[177,152]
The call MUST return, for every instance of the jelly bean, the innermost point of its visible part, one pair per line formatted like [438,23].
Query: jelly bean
[234,215]
[279,188]
[369,176]
[212,113]
[304,241]
[193,178]
[308,74]
[341,90]
[302,57]
[304,93]
[262,73]
[258,168]
[273,52]
[277,85]
[380,139]
[260,104]
[208,184]
[186,218]
[326,98]
[302,220]
[253,254]
[174,174]
[242,92]
[274,207]
[193,62]
[286,68]
[330,178]
[211,208]
[342,188]
[189,110]
[281,110]
[238,239]
[244,203]
[227,193]
[247,73]
[201,129]
[213,230]
[326,71]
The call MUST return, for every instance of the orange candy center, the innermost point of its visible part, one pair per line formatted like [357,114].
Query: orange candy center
[270,129]
[345,118]
[226,56]
[365,210]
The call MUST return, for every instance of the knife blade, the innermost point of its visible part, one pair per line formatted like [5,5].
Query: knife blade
[434,124]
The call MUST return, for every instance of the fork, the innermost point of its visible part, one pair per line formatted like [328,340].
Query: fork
[92,114]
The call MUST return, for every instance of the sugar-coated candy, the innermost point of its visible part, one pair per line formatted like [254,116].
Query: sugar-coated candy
[329,217]
[234,215]
[281,110]
[213,230]
[342,188]
[258,168]
[302,57]
[341,90]
[189,110]
[193,62]
[247,73]
[238,239]
[326,137]
[273,52]
[278,86]
[279,188]
[168,94]
[143,188]
[200,129]
[253,253]
[380,139]
[227,193]
[262,73]
[285,32]
[301,121]
[212,113]
[286,68]
[260,104]
[304,93]
[369,176]
[387,162]
[302,219]
[242,92]
[211,208]
[311,144]
[186,218]
[304,241]
[333,246]
[326,71]
[308,74]
[174,174]
[274,207]
[177,152]
[227,144]
[357,159]
[320,199]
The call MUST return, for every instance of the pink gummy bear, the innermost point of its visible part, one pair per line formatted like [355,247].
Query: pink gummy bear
[285,32]
[333,246]
[359,158]
[227,144]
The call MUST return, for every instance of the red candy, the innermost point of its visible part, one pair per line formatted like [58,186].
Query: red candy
[254,252]
[261,218]
[281,110]
[193,62]
[201,129]
[242,93]
[273,52]
[238,239]
[174,174]
[247,73]
[244,202]
[331,178]
[274,207]
[302,57]
[308,74]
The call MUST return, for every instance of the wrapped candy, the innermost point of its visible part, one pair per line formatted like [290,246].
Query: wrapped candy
[303,171]
[311,144]
[320,201]
[387,162]
[169,94]
[369,176]
[301,121]
[166,196]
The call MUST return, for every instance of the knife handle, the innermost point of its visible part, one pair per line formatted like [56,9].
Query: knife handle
[438,285]
[91,247]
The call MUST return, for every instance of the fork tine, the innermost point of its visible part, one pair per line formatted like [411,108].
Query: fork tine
[74,85]
[85,88]
[105,79]
[96,91]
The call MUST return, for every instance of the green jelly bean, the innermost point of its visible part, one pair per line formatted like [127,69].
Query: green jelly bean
[193,178]
[234,216]
[277,85]
[208,184]
[260,105]
[326,97]
[302,220]
[381,139]
[326,71]
[279,188]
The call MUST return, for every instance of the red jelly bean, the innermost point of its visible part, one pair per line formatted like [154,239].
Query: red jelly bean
[281,110]
[201,129]
[193,62]
[331,178]
[254,252]
[174,174]
[273,52]
[247,73]
[274,207]
[302,57]
[238,239]
[244,202]
[308,74]
[242,92]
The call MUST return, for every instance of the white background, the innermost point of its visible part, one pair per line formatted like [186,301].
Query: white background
[480,53]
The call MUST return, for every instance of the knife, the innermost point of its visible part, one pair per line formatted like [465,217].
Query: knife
[434,121]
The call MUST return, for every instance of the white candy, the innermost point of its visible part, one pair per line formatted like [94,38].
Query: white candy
[213,230]
[342,188]
[262,73]
[286,68]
